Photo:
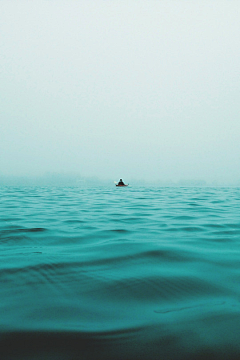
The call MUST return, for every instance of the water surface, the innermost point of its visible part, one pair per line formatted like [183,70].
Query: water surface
[119,273]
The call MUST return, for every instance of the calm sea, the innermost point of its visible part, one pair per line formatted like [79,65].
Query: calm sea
[119,273]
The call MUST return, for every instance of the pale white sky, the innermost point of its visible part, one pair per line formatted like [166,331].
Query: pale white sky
[133,89]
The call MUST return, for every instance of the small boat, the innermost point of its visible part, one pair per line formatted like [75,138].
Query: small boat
[120,183]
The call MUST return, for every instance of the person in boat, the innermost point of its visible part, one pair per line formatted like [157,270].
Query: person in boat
[121,182]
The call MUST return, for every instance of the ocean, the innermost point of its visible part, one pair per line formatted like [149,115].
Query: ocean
[119,273]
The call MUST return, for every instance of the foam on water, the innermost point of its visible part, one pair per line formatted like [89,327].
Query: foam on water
[119,273]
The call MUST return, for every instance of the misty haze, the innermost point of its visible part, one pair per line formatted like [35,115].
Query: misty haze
[143,90]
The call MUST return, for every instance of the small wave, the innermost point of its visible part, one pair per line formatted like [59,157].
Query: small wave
[184,217]
[190,307]
[21,230]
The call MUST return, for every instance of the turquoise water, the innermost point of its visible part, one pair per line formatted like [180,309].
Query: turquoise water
[119,273]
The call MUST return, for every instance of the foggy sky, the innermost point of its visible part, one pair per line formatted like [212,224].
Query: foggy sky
[132,89]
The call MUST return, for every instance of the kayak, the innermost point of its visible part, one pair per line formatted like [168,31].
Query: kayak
[122,185]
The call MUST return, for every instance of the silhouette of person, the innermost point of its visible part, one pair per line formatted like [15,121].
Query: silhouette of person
[121,182]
